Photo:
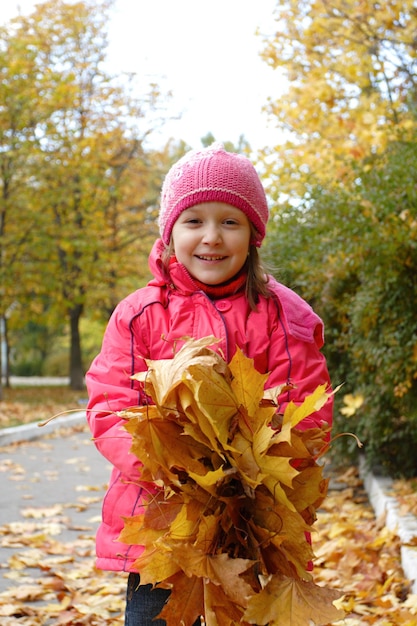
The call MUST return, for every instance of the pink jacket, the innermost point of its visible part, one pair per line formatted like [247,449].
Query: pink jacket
[283,336]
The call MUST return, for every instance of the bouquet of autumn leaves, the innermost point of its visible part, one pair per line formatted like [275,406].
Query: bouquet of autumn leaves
[227,526]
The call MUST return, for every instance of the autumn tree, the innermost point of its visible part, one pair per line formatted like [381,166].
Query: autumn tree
[20,86]
[344,185]
[91,183]
[349,67]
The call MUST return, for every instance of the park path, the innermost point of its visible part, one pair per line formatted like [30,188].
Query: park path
[50,507]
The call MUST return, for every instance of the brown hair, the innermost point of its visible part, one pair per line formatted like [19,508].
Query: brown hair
[257,281]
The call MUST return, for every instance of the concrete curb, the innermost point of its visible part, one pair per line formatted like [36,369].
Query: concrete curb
[32,431]
[379,490]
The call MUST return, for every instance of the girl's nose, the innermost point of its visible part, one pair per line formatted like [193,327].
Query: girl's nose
[212,234]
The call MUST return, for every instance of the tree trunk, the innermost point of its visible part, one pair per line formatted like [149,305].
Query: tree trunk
[76,365]
[4,356]
[6,363]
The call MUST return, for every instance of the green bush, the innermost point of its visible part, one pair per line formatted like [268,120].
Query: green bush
[352,252]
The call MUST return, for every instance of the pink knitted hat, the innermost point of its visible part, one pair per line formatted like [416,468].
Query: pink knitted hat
[213,175]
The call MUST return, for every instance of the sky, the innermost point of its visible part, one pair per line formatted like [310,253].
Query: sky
[205,52]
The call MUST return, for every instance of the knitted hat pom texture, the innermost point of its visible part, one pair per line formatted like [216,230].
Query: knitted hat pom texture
[213,175]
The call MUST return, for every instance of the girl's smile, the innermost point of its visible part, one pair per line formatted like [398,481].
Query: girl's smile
[212,241]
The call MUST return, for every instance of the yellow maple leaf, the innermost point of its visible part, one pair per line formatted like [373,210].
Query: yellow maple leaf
[352,404]
[312,403]
[288,602]
[164,375]
[215,404]
[247,384]
[243,458]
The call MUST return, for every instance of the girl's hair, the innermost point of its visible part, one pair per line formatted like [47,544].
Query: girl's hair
[257,281]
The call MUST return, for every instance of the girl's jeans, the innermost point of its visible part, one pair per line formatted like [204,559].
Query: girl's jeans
[143,603]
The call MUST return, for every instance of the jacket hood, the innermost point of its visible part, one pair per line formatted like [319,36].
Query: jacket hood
[156,264]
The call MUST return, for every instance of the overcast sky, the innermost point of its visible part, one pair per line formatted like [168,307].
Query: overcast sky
[207,53]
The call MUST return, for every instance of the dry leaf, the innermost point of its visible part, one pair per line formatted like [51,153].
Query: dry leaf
[233,503]
[289,602]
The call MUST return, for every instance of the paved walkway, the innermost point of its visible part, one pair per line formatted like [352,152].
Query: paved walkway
[54,484]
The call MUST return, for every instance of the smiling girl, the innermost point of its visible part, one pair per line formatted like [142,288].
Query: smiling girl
[208,280]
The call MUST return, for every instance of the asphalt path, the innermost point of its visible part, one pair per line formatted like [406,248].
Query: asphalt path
[52,484]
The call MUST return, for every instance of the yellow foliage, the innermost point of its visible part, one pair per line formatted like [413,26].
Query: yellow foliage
[346,65]
[352,404]
[237,493]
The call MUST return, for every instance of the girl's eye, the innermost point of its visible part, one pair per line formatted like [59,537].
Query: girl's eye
[231,222]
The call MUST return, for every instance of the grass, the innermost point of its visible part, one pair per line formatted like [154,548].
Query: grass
[22,405]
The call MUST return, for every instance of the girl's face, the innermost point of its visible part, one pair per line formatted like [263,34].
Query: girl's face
[212,241]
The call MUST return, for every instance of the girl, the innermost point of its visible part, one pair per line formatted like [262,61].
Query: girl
[208,280]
